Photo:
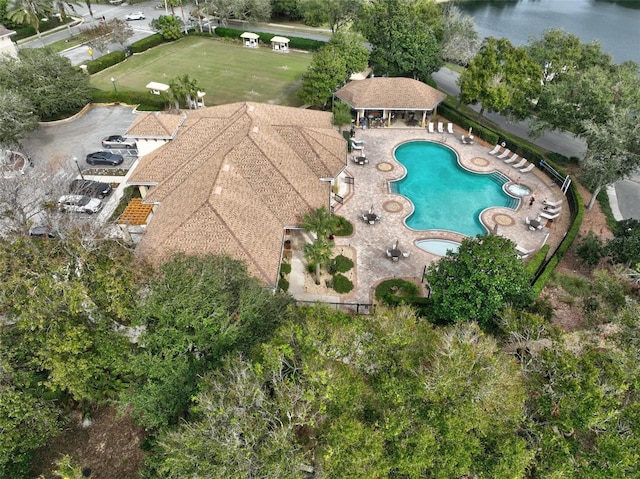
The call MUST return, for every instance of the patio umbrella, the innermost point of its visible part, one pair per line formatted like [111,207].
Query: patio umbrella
[395,246]
[371,209]
[470,130]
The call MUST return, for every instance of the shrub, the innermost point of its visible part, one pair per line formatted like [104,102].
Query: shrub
[590,249]
[285,269]
[537,260]
[341,226]
[283,285]
[311,268]
[105,61]
[625,245]
[542,307]
[342,284]
[146,101]
[340,264]
[146,43]
[396,291]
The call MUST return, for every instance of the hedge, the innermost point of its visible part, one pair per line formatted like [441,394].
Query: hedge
[146,43]
[452,114]
[146,101]
[538,260]
[294,42]
[105,61]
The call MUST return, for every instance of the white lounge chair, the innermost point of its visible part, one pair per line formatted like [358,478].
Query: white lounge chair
[495,150]
[504,154]
[523,252]
[553,203]
[548,216]
[513,158]
[450,128]
[520,164]
[527,168]
[357,142]
[356,147]
[552,211]
[440,127]
[431,130]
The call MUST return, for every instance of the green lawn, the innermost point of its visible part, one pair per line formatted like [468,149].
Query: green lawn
[227,72]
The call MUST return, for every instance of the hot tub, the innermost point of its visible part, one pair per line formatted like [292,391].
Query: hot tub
[438,246]
[517,189]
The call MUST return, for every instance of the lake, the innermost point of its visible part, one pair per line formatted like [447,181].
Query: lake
[614,23]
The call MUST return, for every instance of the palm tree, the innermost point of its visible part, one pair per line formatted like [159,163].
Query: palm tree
[320,222]
[60,7]
[318,252]
[186,88]
[29,12]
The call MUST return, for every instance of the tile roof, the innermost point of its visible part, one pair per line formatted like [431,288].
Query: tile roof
[390,93]
[234,177]
[155,125]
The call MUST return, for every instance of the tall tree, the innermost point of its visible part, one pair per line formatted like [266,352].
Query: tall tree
[47,79]
[29,12]
[478,281]
[338,14]
[16,118]
[404,37]
[613,149]
[186,89]
[460,38]
[251,10]
[502,78]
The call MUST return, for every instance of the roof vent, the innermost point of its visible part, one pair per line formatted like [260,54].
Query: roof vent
[256,129]
[226,167]
[250,108]
[217,190]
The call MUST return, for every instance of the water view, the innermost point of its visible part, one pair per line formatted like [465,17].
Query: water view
[614,23]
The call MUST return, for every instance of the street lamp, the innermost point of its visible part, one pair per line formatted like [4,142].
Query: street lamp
[115,88]
[78,166]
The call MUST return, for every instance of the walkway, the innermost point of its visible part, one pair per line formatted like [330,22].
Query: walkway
[369,243]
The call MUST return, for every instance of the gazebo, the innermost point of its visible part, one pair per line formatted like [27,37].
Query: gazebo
[157,88]
[385,98]
[250,39]
[280,44]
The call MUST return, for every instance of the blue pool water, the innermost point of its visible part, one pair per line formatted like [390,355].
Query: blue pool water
[438,246]
[444,195]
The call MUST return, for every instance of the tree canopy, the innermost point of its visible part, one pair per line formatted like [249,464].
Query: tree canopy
[479,280]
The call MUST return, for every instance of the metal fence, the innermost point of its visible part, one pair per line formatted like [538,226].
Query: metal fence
[357,308]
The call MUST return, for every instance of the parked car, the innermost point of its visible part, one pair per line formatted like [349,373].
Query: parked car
[41,232]
[104,158]
[79,204]
[135,16]
[93,189]
[118,141]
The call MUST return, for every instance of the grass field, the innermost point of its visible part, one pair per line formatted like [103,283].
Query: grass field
[227,72]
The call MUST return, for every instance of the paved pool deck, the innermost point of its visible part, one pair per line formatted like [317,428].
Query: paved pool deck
[369,186]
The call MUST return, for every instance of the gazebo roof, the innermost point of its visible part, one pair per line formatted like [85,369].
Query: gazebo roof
[157,86]
[250,35]
[390,94]
[277,39]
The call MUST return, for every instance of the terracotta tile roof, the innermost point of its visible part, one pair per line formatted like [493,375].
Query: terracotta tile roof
[155,125]
[234,178]
[390,93]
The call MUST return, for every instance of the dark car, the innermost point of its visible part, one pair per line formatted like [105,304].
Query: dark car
[94,189]
[118,141]
[104,158]
[41,232]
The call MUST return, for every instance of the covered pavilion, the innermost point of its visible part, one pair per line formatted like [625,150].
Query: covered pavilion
[386,98]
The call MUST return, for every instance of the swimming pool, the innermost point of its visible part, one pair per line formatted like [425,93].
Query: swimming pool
[445,196]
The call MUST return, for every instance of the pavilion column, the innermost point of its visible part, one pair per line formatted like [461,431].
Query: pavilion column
[424,118]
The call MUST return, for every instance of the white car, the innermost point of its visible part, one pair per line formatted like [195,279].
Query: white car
[79,204]
[135,16]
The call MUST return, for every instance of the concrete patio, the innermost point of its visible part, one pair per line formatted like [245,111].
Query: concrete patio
[370,187]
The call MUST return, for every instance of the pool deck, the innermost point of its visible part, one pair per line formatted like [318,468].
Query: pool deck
[370,187]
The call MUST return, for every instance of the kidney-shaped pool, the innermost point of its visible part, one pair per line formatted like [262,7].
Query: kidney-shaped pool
[445,196]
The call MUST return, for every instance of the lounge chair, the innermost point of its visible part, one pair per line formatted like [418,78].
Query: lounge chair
[522,252]
[553,203]
[356,147]
[450,128]
[527,168]
[495,150]
[431,130]
[504,154]
[520,164]
[513,158]
[357,142]
[528,222]
[440,127]
[552,211]
[548,216]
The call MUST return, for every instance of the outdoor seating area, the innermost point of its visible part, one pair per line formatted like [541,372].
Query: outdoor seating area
[370,217]
[395,253]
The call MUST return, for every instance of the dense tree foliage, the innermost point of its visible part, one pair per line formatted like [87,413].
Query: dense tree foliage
[169,26]
[405,37]
[251,10]
[502,78]
[16,117]
[196,311]
[460,39]
[624,247]
[351,397]
[47,79]
[478,281]
[338,14]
